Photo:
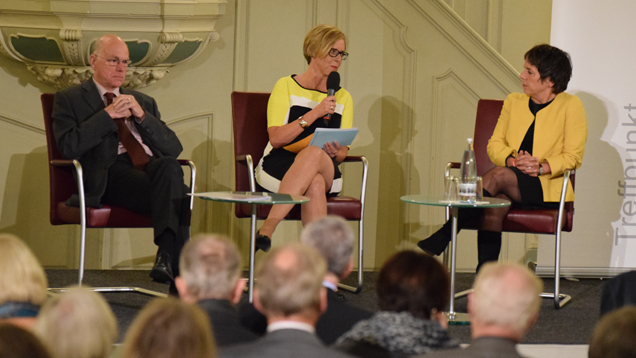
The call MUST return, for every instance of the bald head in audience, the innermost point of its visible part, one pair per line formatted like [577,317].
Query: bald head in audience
[289,285]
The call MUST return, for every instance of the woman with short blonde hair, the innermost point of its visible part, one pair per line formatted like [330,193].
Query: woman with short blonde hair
[23,282]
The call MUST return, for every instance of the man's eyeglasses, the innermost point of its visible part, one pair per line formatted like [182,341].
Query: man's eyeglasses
[334,53]
[114,61]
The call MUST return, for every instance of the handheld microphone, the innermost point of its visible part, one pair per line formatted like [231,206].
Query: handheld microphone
[333,83]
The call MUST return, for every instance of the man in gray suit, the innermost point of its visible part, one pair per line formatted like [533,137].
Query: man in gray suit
[128,154]
[503,306]
[289,292]
[210,277]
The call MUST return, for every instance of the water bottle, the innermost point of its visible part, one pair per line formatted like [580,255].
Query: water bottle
[468,175]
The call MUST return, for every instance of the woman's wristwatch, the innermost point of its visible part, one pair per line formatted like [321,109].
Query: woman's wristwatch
[540,169]
[302,122]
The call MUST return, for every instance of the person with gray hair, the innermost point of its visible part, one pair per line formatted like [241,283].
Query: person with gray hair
[211,278]
[333,238]
[290,294]
[77,323]
[503,306]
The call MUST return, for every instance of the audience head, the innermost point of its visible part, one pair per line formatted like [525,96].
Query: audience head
[18,342]
[614,335]
[413,282]
[333,238]
[77,324]
[553,64]
[319,41]
[210,268]
[290,283]
[23,282]
[169,328]
[505,298]
[106,61]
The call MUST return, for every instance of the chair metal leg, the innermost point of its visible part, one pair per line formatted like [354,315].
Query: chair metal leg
[560,299]
[252,252]
[363,194]
[139,290]
[360,265]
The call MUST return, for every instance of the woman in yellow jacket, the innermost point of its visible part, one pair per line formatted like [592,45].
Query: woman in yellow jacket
[539,135]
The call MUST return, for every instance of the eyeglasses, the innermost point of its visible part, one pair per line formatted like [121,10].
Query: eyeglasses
[334,53]
[114,61]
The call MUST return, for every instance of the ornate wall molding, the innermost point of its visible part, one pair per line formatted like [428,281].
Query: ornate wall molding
[54,39]
[469,42]
[21,124]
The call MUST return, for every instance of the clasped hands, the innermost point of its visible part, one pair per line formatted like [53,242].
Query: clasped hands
[125,106]
[527,163]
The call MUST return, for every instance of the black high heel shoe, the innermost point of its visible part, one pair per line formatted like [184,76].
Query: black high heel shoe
[262,242]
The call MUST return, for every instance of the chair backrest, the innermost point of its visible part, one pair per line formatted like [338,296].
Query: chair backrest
[488,111]
[249,112]
[61,180]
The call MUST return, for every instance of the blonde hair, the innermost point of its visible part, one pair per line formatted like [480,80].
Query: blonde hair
[319,41]
[210,266]
[169,328]
[77,324]
[290,280]
[506,295]
[23,278]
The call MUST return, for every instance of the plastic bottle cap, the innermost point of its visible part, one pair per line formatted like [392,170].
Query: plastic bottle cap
[470,140]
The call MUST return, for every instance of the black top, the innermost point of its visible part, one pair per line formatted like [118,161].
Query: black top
[528,140]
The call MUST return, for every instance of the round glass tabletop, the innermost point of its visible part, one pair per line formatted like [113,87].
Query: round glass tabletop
[252,197]
[439,201]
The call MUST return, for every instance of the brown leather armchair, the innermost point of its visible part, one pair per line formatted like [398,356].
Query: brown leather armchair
[65,179]
[534,221]
[249,111]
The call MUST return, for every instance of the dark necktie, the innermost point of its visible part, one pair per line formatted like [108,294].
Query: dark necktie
[133,147]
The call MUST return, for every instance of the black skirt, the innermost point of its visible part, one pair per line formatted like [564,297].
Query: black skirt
[531,192]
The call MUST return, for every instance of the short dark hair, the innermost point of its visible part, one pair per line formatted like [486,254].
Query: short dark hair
[552,63]
[413,282]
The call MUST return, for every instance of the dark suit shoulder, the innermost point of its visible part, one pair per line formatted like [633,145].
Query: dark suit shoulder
[339,318]
[225,323]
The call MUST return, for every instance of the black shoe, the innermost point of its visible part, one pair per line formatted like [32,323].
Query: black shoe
[435,244]
[262,242]
[162,271]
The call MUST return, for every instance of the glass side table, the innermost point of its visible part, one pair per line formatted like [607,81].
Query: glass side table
[254,198]
[454,317]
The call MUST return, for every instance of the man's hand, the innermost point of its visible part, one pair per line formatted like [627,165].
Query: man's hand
[124,106]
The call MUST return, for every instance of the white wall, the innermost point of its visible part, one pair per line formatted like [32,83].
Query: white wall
[599,35]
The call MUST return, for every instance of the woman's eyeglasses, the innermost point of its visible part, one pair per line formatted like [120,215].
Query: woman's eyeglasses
[334,53]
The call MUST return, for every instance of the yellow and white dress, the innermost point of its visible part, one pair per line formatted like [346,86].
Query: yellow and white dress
[288,101]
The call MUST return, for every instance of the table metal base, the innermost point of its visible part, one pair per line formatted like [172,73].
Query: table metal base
[458,319]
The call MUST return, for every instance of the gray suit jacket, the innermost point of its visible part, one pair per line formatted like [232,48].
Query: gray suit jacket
[482,347]
[83,130]
[283,343]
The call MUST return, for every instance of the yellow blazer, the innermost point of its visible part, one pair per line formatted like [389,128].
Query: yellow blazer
[560,134]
